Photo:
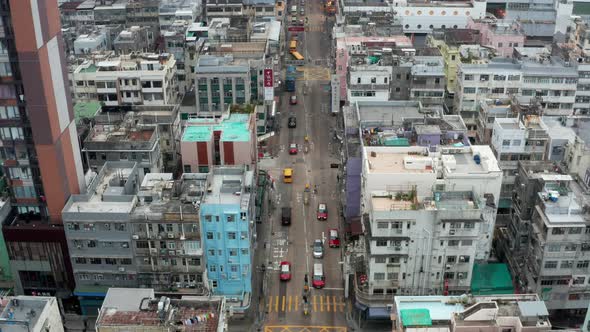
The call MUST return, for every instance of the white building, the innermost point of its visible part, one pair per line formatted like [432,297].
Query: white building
[88,43]
[420,16]
[30,314]
[369,83]
[550,81]
[135,79]
[428,216]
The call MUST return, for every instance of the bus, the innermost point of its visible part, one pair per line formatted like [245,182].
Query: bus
[288,175]
[296,55]
[293,46]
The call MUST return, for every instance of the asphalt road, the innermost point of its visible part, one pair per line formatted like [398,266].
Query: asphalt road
[283,303]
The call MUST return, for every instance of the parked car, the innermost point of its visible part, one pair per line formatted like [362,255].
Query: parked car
[322,211]
[285,274]
[318,249]
[333,239]
[292,122]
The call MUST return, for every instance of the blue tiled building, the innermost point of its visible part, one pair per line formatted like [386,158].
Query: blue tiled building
[226,216]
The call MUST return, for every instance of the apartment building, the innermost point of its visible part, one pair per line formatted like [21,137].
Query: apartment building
[369,83]
[546,80]
[99,233]
[514,139]
[127,309]
[135,79]
[31,313]
[494,313]
[228,74]
[227,226]
[171,11]
[429,216]
[502,35]
[135,39]
[223,141]
[546,244]
[39,147]
[143,13]
[223,8]
[110,12]
[95,41]
[166,233]
[123,142]
[488,111]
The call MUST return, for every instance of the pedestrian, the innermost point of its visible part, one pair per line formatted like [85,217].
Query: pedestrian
[337,178]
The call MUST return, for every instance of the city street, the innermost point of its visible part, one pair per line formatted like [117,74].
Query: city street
[283,300]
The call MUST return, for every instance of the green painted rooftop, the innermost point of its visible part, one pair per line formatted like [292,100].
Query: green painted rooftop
[491,279]
[233,129]
[86,109]
[415,317]
[89,69]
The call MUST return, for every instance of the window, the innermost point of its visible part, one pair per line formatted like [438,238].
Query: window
[466,243]
[233,252]
[453,243]
[211,252]
[469,224]
[392,276]
[499,77]
[550,264]
[379,276]
[381,243]
[212,268]
[575,230]
[514,77]
[569,247]
[91,244]
[451,259]
[558,231]
[96,261]
[468,90]
[566,264]
[498,90]
[553,247]
[80,260]
[506,142]
[582,264]
[468,77]
[110,261]
[244,251]
[449,275]
[383,225]
[380,260]
[231,235]
[231,218]
[209,235]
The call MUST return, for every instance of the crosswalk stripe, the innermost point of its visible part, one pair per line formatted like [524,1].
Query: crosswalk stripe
[296,303]
[289,307]
[277,304]
[315,308]
[321,304]
[334,303]
[328,303]
[283,306]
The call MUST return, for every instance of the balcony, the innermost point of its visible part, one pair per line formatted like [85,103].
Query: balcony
[363,296]
[369,87]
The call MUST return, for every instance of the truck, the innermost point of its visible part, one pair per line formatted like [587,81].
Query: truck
[290,79]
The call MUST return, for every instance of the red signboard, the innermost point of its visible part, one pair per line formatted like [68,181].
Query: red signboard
[296,29]
[268,78]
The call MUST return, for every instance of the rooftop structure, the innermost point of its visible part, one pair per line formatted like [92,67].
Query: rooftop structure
[127,308]
[469,313]
[30,313]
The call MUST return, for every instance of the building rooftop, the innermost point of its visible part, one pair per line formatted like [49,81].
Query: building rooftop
[110,191]
[138,307]
[106,61]
[19,309]
[412,160]
[235,128]
[457,37]
[86,109]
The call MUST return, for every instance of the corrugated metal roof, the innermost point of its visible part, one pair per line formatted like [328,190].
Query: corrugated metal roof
[490,279]
[415,317]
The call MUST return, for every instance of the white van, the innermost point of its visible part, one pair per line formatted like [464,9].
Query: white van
[318,280]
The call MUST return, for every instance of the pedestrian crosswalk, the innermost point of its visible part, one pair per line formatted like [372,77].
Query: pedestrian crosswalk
[316,73]
[317,303]
[314,28]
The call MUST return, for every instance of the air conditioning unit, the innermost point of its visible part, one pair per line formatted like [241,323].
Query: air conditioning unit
[135,237]
[389,307]
[398,248]
[448,266]
[462,259]
[170,235]
[121,269]
[460,275]
[452,232]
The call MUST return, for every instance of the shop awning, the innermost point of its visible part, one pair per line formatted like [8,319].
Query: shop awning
[379,313]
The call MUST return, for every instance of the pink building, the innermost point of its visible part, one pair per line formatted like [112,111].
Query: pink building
[226,141]
[503,36]
[359,44]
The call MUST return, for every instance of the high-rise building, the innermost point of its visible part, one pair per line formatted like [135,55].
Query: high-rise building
[40,149]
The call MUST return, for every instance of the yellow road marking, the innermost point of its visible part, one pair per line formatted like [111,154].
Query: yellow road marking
[277,304]
[315,308]
[269,304]
[328,303]
[283,306]
[321,303]
[342,304]
[334,302]
[296,303]
[290,299]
